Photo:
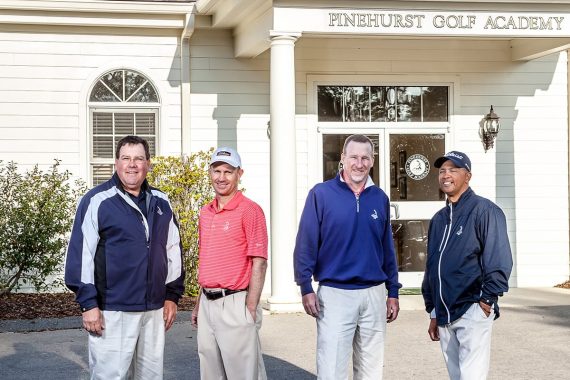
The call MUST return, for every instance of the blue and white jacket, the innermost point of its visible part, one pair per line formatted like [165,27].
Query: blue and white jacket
[120,260]
[469,257]
[345,241]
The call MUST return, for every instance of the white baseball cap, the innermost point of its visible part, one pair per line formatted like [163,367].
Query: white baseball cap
[228,155]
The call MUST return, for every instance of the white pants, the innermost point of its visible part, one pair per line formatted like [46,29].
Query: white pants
[351,322]
[466,344]
[228,339]
[131,347]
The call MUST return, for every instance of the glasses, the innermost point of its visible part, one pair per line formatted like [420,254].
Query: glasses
[138,160]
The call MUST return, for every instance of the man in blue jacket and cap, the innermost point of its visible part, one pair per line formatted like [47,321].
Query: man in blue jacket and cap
[468,268]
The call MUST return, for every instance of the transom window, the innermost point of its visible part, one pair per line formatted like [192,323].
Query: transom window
[122,102]
[382,104]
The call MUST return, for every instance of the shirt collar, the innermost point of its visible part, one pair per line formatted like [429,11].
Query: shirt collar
[231,205]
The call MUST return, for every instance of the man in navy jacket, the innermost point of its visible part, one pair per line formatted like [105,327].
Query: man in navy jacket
[468,268]
[345,242]
[124,263]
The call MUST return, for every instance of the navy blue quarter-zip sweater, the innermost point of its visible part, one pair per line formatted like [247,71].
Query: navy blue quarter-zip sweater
[345,241]
[469,257]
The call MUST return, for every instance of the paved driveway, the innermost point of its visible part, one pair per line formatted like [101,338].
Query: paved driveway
[531,340]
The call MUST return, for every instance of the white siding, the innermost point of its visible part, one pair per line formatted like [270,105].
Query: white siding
[45,78]
[230,106]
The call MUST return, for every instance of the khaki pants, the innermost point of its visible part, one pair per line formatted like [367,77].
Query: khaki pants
[131,347]
[466,344]
[351,322]
[228,340]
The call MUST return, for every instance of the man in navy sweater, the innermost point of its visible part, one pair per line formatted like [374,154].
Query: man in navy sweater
[124,263]
[345,243]
[468,268]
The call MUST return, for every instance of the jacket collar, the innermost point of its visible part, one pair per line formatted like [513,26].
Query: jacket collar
[145,187]
[463,199]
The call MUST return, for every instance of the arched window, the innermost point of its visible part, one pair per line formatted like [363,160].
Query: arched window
[122,102]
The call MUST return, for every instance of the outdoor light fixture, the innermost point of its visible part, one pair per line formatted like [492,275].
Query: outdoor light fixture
[490,129]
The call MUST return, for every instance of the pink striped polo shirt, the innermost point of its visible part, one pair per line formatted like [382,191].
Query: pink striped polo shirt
[229,238]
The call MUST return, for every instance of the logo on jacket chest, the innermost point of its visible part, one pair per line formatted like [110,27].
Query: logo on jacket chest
[458,233]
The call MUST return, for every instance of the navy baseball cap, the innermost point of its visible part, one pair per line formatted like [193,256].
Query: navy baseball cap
[460,160]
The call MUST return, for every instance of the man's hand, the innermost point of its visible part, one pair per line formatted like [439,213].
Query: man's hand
[169,314]
[433,331]
[93,321]
[486,308]
[392,309]
[253,311]
[195,315]
[311,304]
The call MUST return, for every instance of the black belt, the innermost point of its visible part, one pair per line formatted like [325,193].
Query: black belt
[217,294]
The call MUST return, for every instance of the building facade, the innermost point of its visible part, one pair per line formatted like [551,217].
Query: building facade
[286,81]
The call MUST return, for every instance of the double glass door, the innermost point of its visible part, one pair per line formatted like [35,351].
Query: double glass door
[403,168]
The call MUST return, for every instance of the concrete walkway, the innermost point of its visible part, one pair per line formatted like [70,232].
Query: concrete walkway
[531,340]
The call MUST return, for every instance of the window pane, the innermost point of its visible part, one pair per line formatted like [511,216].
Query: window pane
[133,81]
[410,241]
[356,104]
[144,124]
[115,82]
[103,146]
[382,103]
[101,173]
[435,103]
[151,145]
[146,94]
[409,104]
[124,124]
[412,175]
[330,103]
[101,93]
[102,123]
[378,103]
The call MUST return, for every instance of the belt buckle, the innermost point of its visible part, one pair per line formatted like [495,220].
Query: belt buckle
[214,295]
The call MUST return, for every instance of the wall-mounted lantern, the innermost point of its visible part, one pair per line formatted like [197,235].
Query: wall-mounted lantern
[490,129]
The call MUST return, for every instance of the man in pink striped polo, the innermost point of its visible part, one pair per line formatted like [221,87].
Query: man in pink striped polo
[231,273]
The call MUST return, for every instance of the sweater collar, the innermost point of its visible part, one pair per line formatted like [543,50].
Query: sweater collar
[340,180]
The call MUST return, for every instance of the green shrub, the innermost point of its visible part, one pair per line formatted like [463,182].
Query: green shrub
[187,184]
[36,214]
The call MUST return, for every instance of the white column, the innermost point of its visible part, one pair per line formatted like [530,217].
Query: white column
[283,177]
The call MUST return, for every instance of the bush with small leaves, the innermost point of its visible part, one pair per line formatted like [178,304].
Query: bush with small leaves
[186,182]
[36,214]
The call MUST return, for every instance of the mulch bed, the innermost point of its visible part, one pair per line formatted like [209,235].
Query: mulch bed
[52,305]
[565,285]
[57,305]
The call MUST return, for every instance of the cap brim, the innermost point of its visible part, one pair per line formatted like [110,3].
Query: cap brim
[440,161]
[219,161]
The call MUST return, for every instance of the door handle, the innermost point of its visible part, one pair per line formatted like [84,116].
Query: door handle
[396,208]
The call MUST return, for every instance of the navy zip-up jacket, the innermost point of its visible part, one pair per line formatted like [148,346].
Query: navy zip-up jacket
[120,260]
[345,241]
[469,257]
